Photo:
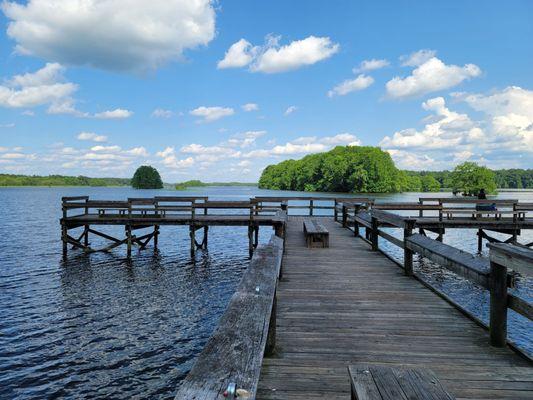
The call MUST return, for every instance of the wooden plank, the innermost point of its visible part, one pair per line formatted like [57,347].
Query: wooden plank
[234,352]
[394,240]
[458,261]
[520,306]
[390,218]
[517,258]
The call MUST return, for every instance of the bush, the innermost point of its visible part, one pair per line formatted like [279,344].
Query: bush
[146,177]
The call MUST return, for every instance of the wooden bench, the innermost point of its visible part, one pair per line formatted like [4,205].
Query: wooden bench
[475,213]
[316,234]
[377,382]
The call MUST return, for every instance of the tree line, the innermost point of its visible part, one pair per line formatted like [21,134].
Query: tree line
[59,180]
[365,169]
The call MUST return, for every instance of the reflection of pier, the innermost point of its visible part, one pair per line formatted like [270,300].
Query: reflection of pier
[301,316]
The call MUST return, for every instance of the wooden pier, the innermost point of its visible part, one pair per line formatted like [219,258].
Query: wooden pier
[348,304]
[302,317]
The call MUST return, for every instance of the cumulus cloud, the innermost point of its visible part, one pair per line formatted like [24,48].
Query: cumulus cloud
[171,160]
[118,113]
[112,34]
[240,54]
[417,58]
[431,76]
[503,136]
[246,139]
[290,110]
[371,65]
[92,137]
[209,114]
[361,82]
[274,58]
[250,107]
[43,87]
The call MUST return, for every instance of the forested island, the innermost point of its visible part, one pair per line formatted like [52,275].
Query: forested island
[365,169]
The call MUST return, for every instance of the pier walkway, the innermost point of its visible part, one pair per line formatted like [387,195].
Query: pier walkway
[347,304]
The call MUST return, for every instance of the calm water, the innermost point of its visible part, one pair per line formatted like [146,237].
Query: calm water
[96,326]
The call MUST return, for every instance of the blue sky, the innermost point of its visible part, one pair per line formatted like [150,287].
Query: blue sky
[219,90]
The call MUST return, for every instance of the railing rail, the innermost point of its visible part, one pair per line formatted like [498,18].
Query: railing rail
[230,363]
[492,275]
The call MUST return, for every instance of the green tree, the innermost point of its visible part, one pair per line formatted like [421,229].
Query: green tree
[429,183]
[469,178]
[146,177]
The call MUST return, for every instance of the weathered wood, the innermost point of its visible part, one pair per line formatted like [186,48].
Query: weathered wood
[348,305]
[407,252]
[458,261]
[498,304]
[520,306]
[374,237]
[316,235]
[234,352]
[517,258]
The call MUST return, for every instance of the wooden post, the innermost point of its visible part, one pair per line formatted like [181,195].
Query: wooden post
[498,305]
[250,240]
[86,236]
[374,233]
[407,253]
[311,207]
[192,236]
[156,235]
[335,216]
[128,235]
[441,235]
[204,242]
[271,336]
[344,216]
[479,240]
[64,238]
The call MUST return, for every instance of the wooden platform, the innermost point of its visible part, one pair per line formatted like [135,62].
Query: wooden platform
[347,305]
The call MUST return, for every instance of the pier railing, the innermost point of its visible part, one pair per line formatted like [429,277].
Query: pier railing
[230,363]
[494,275]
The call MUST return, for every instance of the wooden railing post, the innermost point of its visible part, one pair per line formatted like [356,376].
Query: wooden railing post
[498,304]
[408,253]
[335,216]
[374,233]
[311,207]
[271,336]
[355,223]
[344,216]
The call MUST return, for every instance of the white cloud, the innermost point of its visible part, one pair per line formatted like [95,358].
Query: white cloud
[250,107]
[210,114]
[240,54]
[105,148]
[431,76]
[273,58]
[170,159]
[341,139]
[371,65]
[92,136]
[351,85]
[161,113]
[119,113]
[28,113]
[503,137]
[138,152]
[43,87]
[290,110]
[112,34]
[246,139]
[10,125]
[417,58]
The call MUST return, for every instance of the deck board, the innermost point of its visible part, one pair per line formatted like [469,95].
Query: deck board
[346,304]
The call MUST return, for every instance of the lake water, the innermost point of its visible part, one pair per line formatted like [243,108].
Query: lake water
[97,326]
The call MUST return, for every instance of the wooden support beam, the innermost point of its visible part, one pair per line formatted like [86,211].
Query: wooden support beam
[407,252]
[250,241]
[156,236]
[479,240]
[374,235]
[128,241]
[192,236]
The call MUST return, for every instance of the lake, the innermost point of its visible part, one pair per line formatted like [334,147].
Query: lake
[97,326]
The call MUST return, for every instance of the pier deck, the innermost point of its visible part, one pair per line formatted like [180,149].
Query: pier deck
[346,304]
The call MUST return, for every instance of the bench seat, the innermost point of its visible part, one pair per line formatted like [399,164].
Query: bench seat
[449,212]
[379,382]
[316,234]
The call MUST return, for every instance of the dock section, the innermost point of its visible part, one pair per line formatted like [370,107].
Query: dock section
[347,304]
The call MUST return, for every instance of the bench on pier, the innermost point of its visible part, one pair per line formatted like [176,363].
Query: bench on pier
[316,234]
[379,382]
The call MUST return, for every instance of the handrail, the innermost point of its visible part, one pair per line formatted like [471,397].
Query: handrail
[231,366]
[492,275]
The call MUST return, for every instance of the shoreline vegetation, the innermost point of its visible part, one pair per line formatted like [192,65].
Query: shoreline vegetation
[365,169]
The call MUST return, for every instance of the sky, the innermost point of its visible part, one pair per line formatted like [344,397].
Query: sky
[217,90]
